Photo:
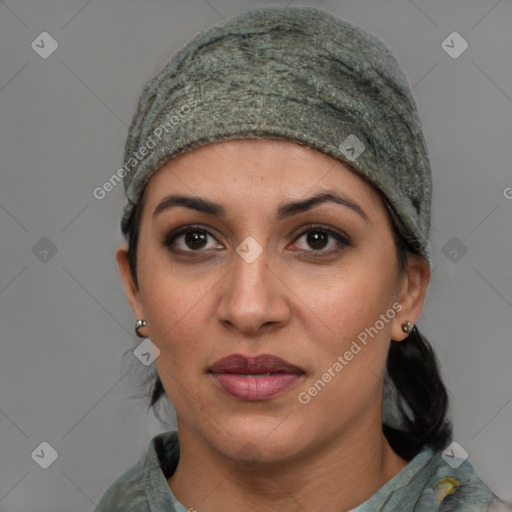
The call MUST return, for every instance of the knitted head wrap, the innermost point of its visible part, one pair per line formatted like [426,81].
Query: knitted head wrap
[295,73]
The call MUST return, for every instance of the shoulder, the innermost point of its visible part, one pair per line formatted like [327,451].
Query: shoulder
[454,486]
[441,481]
[143,487]
[126,493]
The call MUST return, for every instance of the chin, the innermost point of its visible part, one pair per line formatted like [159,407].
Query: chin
[261,440]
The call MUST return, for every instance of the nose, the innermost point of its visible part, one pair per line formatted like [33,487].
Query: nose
[254,299]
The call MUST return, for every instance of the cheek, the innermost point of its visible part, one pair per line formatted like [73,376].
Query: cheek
[176,312]
[350,304]
[177,309]
[351,342]
[177,319]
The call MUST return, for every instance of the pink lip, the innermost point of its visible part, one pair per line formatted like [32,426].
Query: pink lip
[254,378]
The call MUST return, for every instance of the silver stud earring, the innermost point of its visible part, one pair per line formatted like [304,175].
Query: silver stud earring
[140,323]
[407,327]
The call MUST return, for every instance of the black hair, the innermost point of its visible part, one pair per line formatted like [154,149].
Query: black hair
[412,369]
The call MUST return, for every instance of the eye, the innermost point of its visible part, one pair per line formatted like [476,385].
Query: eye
[189,239]
[317,237]
[195,238]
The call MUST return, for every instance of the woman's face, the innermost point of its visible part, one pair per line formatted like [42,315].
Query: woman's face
[268,271]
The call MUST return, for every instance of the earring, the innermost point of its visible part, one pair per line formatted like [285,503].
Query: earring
[407,327]
[140,323]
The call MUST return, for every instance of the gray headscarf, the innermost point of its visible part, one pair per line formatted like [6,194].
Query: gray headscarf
[295,73]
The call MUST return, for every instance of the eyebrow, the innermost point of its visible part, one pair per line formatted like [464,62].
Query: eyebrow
[284,210]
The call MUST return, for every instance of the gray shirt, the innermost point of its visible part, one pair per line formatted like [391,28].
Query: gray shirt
[427,484]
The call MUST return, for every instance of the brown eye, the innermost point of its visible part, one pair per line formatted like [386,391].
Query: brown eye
[195,239]
[317,239]
[188,239]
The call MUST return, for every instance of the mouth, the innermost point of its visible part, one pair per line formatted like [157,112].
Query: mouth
[254,378]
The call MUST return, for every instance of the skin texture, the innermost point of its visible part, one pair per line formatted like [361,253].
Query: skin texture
[276,454]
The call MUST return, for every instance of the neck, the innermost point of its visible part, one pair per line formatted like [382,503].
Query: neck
[336,477]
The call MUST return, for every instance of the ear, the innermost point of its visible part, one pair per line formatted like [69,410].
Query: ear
[411,295]
[130,287]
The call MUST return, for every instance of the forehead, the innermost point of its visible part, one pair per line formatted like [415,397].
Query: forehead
[257,173]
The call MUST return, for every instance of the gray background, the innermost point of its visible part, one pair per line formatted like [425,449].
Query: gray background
[65,320]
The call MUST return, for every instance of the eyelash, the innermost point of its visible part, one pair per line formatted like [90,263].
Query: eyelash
[340,237]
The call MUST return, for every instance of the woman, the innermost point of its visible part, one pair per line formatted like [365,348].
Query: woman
[279,195]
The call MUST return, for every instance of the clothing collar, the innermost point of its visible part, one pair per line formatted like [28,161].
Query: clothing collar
[164,454]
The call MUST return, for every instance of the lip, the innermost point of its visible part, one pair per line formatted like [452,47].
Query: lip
[254,378]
